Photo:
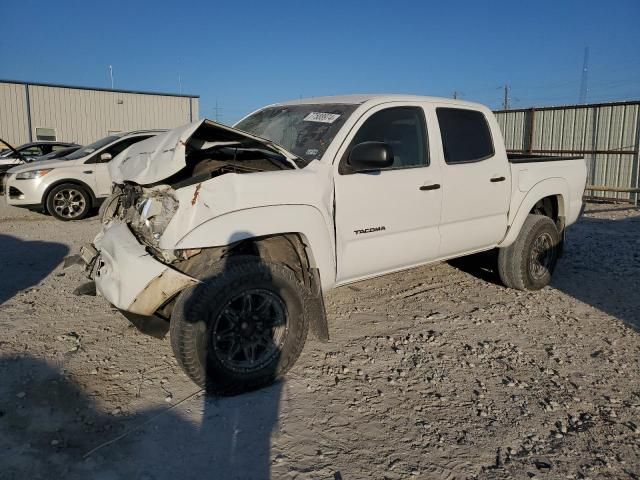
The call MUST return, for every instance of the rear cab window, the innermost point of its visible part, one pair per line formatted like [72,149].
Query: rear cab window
[466,136]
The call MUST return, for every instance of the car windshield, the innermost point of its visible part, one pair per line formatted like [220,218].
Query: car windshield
[304,130]
[89,149]
[59,154]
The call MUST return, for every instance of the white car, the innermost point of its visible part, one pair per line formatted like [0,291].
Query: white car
[229,236]
[11,157]
[68,188]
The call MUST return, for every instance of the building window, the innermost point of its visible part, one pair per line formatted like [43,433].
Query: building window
[46,134]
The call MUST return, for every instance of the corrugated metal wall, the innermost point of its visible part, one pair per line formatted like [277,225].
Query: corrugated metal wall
[85,115]
[14,126]
[606,134]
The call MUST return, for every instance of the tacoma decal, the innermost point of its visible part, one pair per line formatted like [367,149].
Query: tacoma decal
[369,230]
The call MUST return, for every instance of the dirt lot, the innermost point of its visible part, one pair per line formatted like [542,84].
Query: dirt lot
[434,373]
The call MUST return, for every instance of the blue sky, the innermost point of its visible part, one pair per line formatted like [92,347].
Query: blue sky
[243,55]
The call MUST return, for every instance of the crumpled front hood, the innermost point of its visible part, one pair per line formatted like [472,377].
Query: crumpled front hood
[164,155]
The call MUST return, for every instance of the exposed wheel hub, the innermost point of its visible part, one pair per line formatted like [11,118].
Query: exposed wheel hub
[250,330]
[542,254]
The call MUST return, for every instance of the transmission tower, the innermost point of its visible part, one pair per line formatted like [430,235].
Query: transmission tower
[505,102]
[584,89]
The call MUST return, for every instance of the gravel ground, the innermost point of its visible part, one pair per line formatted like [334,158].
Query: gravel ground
[438,372]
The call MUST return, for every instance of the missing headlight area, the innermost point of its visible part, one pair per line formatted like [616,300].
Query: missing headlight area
[150,173]
[147,211]
[153,212]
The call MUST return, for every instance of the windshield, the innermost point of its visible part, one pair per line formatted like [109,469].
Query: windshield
[60,154]
[89,149]
[304,130]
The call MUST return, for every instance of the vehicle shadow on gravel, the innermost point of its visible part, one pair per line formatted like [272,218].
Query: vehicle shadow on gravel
[48,423]
[24,264]
[600,266]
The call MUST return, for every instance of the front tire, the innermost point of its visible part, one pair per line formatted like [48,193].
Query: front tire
[242,328]
[68,202]
[528,263]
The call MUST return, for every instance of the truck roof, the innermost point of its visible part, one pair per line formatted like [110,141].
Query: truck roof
[358,99]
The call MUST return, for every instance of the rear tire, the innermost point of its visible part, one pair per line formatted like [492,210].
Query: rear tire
[250,307]
[68,202]
[528,263]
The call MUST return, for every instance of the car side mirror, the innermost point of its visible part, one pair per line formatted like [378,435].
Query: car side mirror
[105,157]
[367,156]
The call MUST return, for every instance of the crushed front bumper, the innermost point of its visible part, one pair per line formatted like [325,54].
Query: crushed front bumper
[127,275]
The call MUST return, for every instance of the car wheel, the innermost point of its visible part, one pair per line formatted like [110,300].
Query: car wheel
[529,262]
[242,328]
[68,202]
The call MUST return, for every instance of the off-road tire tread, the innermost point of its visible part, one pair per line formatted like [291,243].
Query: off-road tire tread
[512,260]
[184,335]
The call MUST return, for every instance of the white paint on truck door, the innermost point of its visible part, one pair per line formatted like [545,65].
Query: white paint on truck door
[476,181]
[388,219]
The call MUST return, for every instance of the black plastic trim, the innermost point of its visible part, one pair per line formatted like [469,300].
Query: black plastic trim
[540,158]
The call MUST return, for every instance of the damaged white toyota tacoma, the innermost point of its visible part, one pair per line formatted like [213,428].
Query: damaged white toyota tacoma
[228,237]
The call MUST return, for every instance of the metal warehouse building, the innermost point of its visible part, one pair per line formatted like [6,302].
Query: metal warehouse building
[40,111]
[606,134]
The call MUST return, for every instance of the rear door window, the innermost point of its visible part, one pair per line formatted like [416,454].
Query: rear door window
[465,134]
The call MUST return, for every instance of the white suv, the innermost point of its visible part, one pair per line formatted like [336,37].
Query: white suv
[68,188]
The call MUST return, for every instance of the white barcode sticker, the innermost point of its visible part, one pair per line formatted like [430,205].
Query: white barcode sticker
[321,117]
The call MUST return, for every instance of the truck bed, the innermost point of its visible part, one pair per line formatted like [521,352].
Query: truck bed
[529,157]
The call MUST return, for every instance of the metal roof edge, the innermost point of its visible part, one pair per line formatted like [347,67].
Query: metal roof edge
[572,106]
[99,89]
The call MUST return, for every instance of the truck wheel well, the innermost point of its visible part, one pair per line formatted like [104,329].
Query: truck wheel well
[289,249]
[550,207]
[547,206]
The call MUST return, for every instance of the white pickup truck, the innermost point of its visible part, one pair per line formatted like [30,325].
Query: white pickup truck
[227,237]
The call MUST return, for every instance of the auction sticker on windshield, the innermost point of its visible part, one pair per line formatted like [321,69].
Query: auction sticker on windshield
[321,117]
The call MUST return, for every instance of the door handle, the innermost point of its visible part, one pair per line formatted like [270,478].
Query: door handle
[498,179]
[434,186]
[88,171]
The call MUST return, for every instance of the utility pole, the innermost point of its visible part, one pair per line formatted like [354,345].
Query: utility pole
[505,103]
[582,98]
[455,94]
[111,75]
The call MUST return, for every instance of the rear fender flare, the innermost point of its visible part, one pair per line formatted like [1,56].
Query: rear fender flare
[545,188]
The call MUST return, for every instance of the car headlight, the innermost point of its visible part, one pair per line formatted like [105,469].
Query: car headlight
[154,214]
[31,174]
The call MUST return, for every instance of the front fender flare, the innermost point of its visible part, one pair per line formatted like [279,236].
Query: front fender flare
[305,220]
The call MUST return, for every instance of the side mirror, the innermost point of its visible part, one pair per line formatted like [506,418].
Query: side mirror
[368,156]
[105,157]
